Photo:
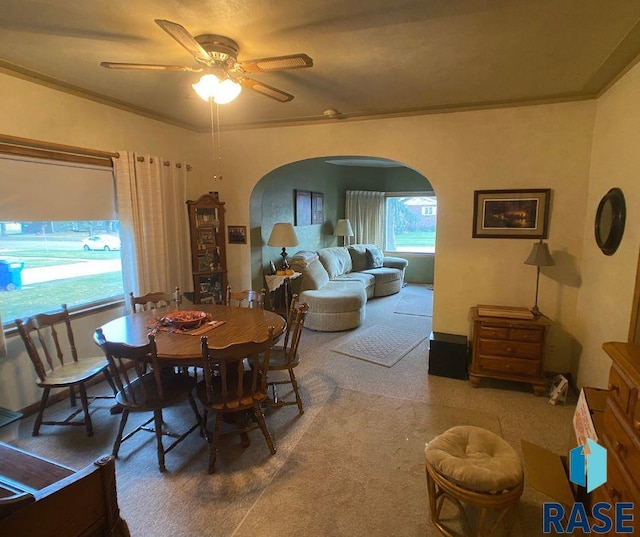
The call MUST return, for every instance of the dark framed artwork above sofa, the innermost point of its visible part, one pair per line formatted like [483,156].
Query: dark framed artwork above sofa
[511,214]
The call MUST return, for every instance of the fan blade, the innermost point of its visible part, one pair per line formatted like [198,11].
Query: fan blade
[266,90]
[149,67]
[182,36]
[276,63]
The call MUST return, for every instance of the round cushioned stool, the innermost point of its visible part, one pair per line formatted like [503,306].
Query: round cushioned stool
[475,466]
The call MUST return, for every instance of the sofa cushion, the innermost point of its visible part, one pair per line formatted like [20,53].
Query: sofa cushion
[374,256]
[314,275]
[336,260]
[384,274]
[366,279]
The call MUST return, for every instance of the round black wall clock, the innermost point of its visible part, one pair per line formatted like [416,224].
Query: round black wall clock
[610,219]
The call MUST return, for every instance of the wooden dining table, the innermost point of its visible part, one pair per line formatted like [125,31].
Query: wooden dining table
[183,349]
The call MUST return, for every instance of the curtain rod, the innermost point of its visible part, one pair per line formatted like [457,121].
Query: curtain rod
[164,162]
[37,148]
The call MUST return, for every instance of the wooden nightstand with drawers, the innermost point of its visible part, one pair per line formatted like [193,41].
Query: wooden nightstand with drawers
[508,348]
[621,434]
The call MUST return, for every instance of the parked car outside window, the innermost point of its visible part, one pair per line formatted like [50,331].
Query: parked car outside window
[101,242]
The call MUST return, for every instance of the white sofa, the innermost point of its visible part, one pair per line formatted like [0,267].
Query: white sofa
[336,282]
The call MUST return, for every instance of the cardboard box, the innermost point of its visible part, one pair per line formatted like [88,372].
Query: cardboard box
[549,472]
[589,414]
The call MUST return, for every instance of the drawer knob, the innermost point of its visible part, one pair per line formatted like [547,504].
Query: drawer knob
[614,388]
[620,448]
[636,425]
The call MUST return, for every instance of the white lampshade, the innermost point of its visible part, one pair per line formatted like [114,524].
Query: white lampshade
[343,228]
[283,234]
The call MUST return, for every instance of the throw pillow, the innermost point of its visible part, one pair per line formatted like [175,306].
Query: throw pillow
[359,259]
[375,257]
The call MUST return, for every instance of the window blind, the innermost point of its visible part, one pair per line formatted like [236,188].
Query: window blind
[33,189]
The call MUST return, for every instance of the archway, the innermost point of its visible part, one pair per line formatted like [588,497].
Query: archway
[272,200]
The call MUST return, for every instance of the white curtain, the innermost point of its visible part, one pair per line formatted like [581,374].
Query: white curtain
[365,211]
[153,218]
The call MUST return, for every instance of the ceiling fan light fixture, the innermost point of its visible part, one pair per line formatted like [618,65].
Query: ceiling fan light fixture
[210,87]
[228,90]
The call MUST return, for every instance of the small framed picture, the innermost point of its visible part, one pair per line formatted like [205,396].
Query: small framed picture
[317,208]
[237,234]
[302,213]
[511,214]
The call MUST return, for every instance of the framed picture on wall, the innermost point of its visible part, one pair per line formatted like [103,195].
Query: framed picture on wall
[302,206]
[237,234]
[511,214]
[317,208]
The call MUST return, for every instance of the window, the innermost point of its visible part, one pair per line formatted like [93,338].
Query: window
[46,264]
[59,238]
[410,222]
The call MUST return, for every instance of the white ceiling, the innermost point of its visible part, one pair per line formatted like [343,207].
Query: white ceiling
[371,57]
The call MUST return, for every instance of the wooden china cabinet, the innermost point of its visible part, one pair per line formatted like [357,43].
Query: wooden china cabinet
[208,255]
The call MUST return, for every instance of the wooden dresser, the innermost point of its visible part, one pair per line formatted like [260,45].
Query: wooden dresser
[512,349]
[621,434]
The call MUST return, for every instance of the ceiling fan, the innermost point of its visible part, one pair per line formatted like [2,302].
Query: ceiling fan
[218,55]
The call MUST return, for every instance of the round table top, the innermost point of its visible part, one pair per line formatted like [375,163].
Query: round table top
[241,325]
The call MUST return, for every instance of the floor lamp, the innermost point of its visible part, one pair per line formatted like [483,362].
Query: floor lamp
[343,229]
[540,257]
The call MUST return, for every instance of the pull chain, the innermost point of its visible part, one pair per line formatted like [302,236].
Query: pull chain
[216,148]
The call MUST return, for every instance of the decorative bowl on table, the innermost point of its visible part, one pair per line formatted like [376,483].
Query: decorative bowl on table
[184,319]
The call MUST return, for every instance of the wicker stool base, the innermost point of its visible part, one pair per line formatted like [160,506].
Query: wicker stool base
[440,488]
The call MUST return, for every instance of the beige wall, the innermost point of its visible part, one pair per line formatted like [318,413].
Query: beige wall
[604,305]
[33,111]
[526,147]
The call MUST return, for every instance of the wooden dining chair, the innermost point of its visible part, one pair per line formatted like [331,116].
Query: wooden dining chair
[245,299]
[155,300]
[55,359]
[291,311]
[286,358]
[144,386]
[230,389]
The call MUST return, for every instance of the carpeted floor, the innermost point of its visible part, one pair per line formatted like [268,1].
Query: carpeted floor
[366,456]
[361,459]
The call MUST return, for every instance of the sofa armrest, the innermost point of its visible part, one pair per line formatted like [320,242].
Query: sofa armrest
[395,262]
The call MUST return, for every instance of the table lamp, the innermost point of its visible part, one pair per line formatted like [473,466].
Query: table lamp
[540,257]
[343,229]
[283,235]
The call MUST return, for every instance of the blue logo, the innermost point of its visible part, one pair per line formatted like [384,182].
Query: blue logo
[588,469]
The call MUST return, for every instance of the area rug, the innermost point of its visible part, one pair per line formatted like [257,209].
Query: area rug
[358,470]
[379,344]
[421,304]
